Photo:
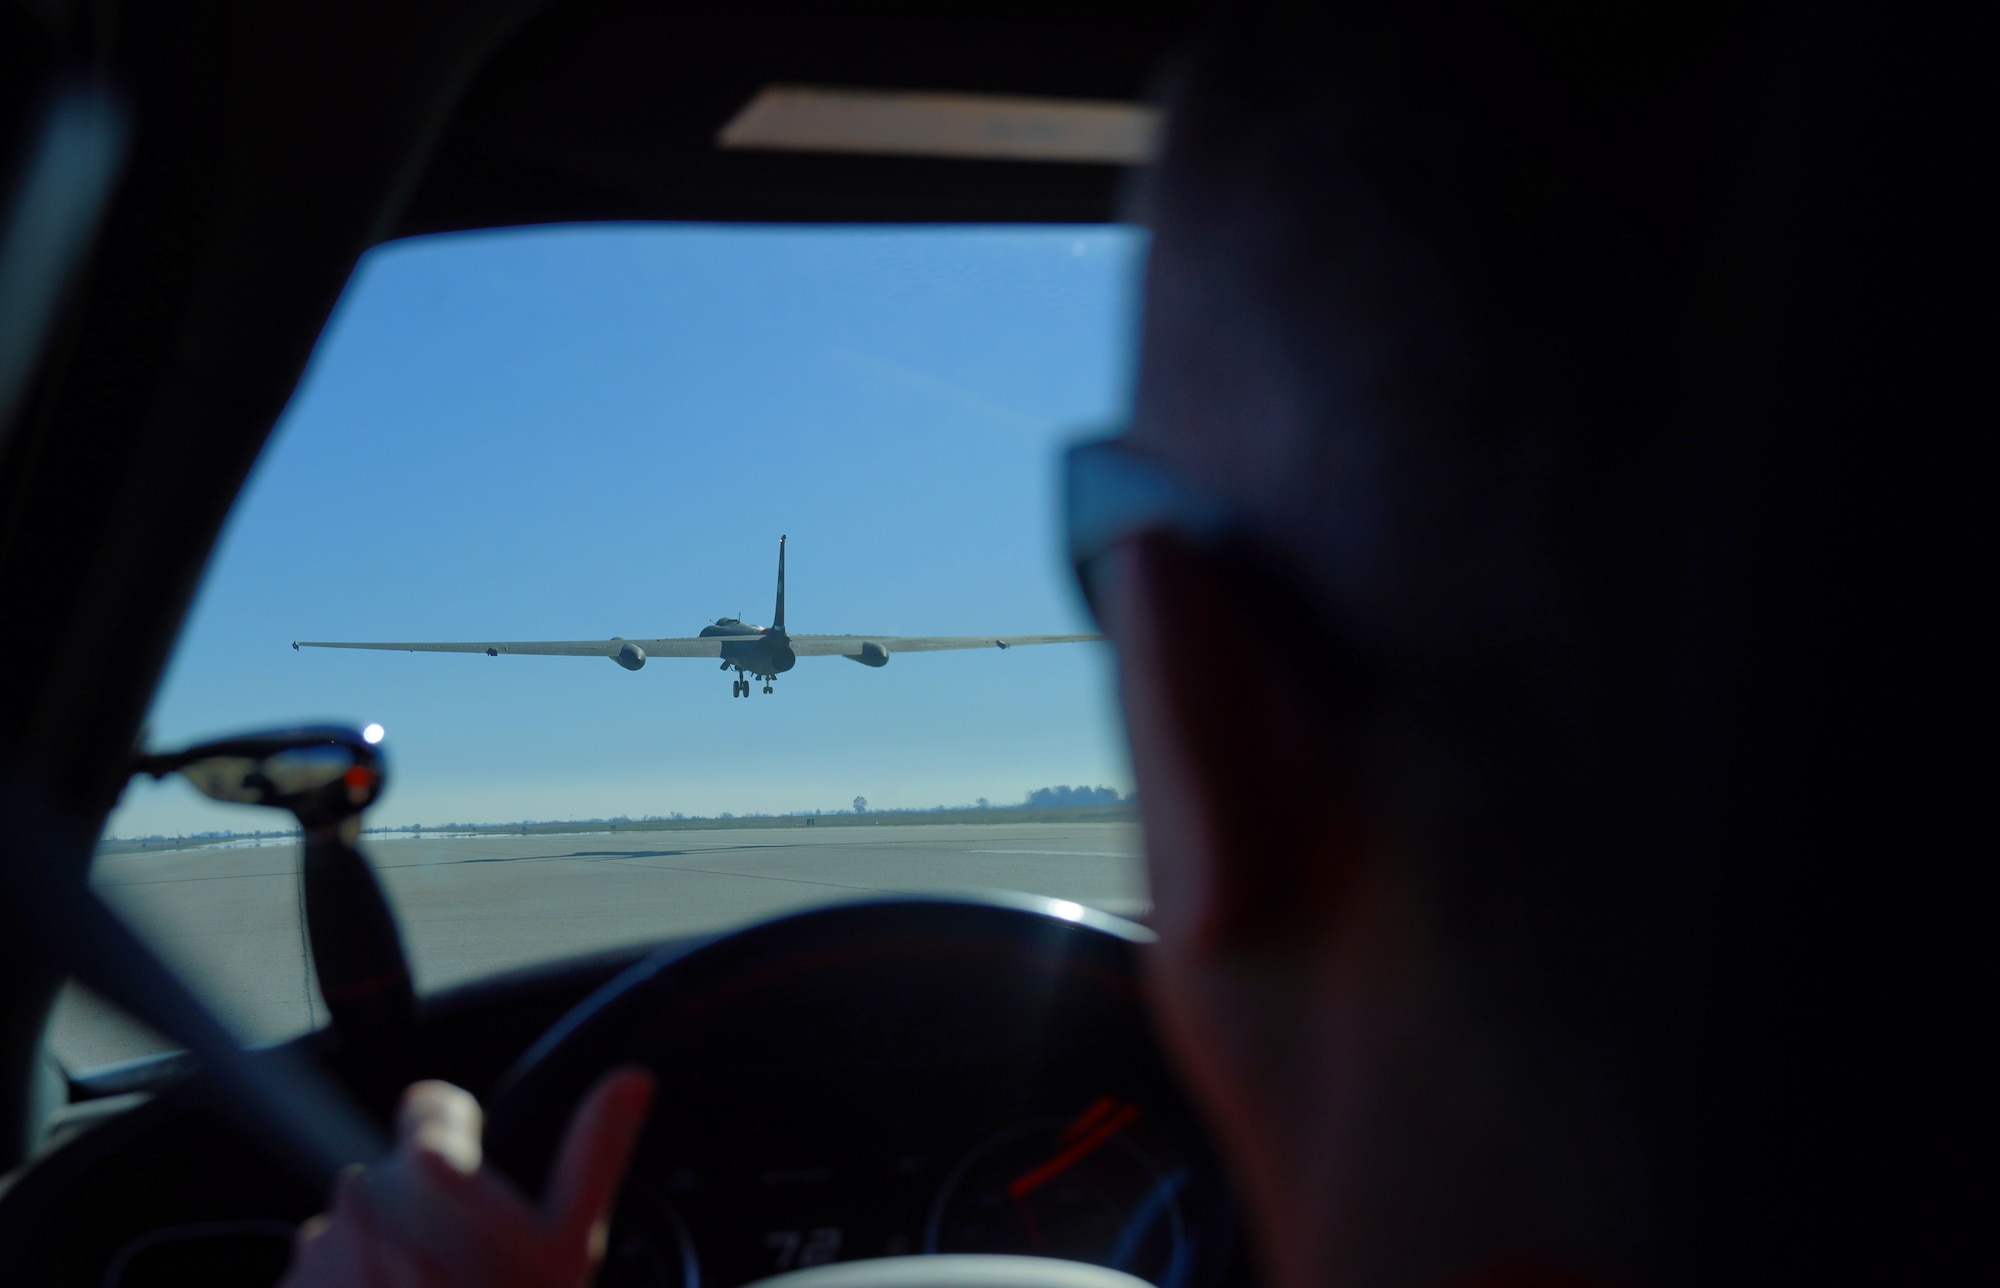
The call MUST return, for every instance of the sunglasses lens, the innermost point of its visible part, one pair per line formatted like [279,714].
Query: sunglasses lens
[1113,491]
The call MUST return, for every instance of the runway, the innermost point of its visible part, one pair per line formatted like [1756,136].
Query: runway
[229,918]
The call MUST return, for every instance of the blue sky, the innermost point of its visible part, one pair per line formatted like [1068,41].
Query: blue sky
[584,432]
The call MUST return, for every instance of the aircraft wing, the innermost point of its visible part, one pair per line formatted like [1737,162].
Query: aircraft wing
[854,646]
[709,646]
[851,645]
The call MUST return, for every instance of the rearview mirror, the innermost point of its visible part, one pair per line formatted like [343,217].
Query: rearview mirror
[325,776]
[321,774]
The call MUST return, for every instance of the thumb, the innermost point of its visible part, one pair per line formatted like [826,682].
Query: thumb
[595,1152]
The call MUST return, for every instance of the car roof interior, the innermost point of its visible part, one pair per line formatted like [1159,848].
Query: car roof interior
[269,146]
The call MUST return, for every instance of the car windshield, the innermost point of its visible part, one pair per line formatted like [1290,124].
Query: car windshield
[573,434]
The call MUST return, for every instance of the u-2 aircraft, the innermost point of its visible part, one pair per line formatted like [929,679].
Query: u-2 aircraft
[753,652]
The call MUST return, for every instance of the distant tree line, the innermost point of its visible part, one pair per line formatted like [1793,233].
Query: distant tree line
[1063,797]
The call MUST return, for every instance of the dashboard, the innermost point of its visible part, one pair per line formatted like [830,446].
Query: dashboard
[859,1081]
[757,1189]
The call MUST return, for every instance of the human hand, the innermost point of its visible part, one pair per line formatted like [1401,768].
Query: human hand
[433,1216]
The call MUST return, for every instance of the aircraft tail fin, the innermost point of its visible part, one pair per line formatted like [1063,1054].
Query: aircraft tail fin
[778,613]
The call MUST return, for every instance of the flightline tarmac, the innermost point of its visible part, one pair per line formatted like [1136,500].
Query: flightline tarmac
[228,916]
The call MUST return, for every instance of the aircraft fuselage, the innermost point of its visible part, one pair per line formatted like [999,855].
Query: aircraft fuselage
[760,651]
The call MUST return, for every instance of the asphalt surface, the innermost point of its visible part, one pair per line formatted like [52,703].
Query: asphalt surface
[228,917]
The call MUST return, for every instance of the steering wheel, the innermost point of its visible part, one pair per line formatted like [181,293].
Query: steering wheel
[1008,968]
[956,1271]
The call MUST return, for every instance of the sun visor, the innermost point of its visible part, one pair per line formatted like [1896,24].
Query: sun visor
[989,127]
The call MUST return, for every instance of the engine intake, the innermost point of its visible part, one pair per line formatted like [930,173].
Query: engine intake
[871,654]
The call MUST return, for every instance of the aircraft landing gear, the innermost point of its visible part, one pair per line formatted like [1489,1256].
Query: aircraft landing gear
[739,688]
[767,686]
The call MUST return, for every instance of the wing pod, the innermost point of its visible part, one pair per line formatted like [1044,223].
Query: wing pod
[630,656]
[871,654]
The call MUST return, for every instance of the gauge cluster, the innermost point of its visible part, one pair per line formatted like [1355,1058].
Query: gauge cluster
[1105,1180]
[1086,1189]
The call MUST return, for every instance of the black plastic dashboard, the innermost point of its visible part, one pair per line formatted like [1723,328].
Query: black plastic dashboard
[857,1081]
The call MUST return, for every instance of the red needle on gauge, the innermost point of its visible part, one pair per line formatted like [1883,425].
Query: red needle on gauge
[1092,1128]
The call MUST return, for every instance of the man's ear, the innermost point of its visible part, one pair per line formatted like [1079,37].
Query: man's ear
[1250,831]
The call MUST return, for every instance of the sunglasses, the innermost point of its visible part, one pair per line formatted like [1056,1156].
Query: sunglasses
[1114,491]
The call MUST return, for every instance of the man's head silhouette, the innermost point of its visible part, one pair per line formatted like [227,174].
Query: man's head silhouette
[1432,702]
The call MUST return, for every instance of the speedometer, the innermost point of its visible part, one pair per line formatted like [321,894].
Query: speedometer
[1082,1188]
